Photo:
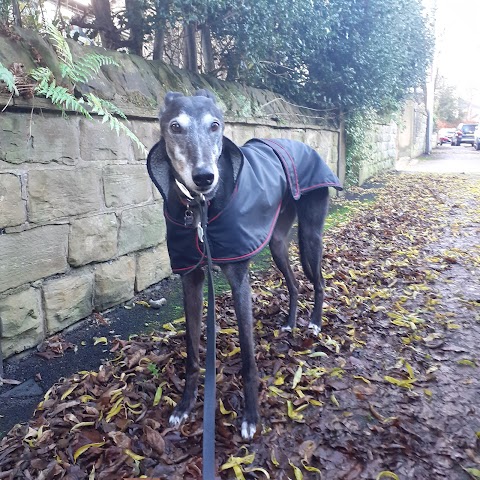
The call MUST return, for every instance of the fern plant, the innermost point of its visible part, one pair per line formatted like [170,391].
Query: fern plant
[79,71]
[6,77]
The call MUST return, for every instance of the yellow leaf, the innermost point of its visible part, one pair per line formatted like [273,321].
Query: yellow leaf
[273,458]
[81,424]
[179,320]
[400,383]
[316,403]
[133,455]
[144,303]
[277,392]
[238,472]
[334,400]
[233,352]
[465,361]
[296,471]
[117,407]
[84,448]
[86,398]
[279,380]
[232,461]
[224,411]
[411,374]
[308,468]
[363,379]
[98,340]
[169,327]
[428,392]
[257,469]
[453,326]
[387,474]
[228,331]
[158,396]
[297,377]
[318,354]
[292,413]
[69,391]
[169,401]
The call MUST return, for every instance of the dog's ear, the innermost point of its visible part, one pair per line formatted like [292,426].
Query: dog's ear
[171,96]
[206,93]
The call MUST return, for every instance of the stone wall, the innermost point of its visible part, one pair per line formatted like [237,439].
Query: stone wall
[412,132]
[383,139]
[393,142]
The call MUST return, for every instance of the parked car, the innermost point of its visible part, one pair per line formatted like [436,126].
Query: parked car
[464,134]
[476,138]
[445,135]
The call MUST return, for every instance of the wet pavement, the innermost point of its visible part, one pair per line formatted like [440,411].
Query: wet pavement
[445,159]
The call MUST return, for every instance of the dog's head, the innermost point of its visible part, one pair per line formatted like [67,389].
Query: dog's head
[192,128]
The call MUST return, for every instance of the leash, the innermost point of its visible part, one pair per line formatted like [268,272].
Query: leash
[209,403]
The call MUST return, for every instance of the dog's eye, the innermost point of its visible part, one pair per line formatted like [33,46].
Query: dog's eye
[175,127]
[214,126]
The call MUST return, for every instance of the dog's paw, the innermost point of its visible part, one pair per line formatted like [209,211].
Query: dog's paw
[314,328]
[248,430]
[176,419]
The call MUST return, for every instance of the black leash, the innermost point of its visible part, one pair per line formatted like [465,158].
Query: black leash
[209,403]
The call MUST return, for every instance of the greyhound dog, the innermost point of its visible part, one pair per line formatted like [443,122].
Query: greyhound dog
[194,160]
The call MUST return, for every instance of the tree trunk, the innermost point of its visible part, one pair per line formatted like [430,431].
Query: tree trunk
[190,47]
[207,48]
[104,24]
[17,17]
[134,11]
[159,42]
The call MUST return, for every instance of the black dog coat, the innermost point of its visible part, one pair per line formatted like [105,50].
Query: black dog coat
[265,169]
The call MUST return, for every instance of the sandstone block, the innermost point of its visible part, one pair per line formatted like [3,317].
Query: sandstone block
[21,320]
[32,254]
[99,143]
[63,193]
[114,282]
[148,133]
[140,228]
[67,300]
[243,133]
[12,207]
[45,145]
[92,239]
[152,266]
[126,185]
[263,131]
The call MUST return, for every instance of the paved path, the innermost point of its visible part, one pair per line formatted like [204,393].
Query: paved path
[445,159]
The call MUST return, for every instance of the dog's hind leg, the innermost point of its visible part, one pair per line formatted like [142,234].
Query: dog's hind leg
[237,276]
[279,250]
[312,211]
[193,302]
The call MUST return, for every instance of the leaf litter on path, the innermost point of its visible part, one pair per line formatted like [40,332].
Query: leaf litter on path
[389,389]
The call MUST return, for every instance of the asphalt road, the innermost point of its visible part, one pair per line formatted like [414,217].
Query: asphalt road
[445,159]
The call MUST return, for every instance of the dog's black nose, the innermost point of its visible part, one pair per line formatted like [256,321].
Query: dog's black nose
[203,177]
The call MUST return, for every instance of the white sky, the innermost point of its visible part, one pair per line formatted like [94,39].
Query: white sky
[458,26]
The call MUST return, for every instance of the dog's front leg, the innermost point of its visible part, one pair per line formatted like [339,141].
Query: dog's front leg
[193,303]
[237,276]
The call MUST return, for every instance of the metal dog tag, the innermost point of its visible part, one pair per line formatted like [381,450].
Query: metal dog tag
[188,218]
